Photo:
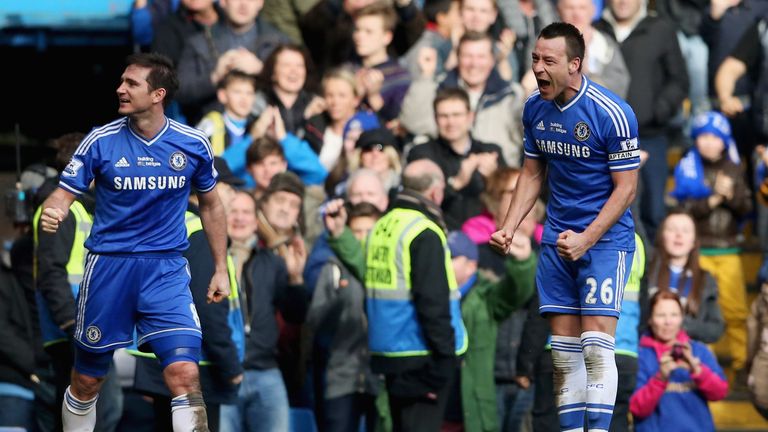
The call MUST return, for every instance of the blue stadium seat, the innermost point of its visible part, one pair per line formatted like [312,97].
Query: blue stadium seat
[303,420]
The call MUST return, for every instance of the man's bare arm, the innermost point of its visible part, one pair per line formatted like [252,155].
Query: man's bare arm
[214,223]
[55,209]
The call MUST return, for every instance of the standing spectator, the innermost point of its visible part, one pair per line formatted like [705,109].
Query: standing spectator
[676,375]
[17,356]
[757,355]
[285,82]
[676,268]
[444,27]
[415,329]
[328,30]
[236,92]
[221,323]
[145,17]
[271,284]
[383,80]
[326,131]
[465,161]
[376,149]
[497,104]
[240,40]
[604,63]
[525,19]
[484,303]
[337,314]
[285,15]
[265,159]
[656,91]
[192,17]
[710,184]
[687,16]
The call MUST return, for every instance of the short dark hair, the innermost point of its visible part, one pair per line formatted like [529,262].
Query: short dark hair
[574,40]
[236,75]
[434,7]
[475,36]
[65,146]
[364,209]
[451,93]
[381,9]
[162,74]
[262,147]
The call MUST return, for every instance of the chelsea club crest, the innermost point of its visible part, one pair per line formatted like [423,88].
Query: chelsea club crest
[178,161]
[93,334]
[581,131]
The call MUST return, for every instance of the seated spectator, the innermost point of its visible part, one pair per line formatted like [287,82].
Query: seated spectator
[328,30]
[236,92]
[603,63]
[381,77]
[465,161]
[284,82]
[376,149]
[241,40]
[325,131]
[444,27]
[271,285]
[295,152]
[497,104]
[676,268]
[757,351]
[264,159]
[676,375]
[337,315]
[710,184]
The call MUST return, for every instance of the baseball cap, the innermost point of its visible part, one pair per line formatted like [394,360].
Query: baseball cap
[225,174]
[461,245]
[373,137]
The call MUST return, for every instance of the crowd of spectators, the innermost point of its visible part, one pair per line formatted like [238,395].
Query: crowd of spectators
[309,101]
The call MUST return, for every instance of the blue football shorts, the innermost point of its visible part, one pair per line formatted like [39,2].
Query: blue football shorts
[118,292]
[592,285]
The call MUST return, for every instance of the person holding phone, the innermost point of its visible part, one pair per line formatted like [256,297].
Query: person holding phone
[676,375]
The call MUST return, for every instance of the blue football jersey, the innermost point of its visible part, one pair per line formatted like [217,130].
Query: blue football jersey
[581,144]
[142,186]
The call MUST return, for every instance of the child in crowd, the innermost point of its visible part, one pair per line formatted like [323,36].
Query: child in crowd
[236,92]
[710,184]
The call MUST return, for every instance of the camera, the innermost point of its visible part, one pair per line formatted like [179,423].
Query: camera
[677,352]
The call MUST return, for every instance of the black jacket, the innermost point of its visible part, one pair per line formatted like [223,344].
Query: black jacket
[172,33]
[266,290]
[659,78]
[458,205]
[17,354]
[415,376]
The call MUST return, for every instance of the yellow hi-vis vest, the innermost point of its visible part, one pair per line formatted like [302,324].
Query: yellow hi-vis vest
[51,333]
[394,329]
[235,318]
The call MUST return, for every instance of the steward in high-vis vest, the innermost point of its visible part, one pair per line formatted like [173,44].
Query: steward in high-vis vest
[223,345]
[415,330]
